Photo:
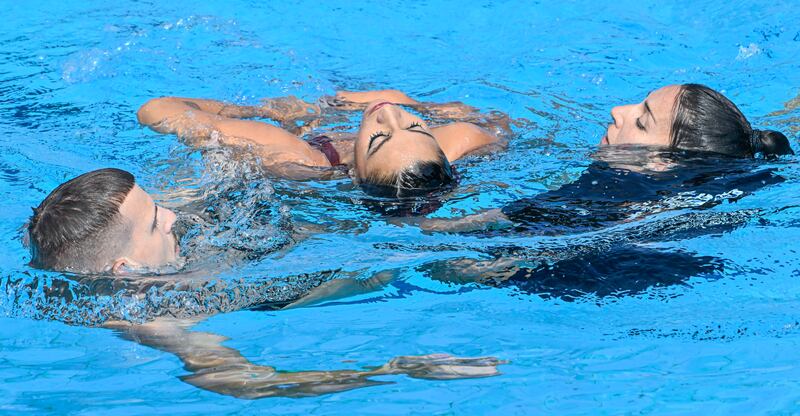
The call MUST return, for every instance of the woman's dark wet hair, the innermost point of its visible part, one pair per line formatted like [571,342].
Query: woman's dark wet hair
[416,190]
[68,230]
[707,121]
[417,180]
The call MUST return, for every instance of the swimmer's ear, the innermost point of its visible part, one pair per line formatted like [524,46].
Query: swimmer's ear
[122,265]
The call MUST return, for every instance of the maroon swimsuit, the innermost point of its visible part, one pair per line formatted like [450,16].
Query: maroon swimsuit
[324,144]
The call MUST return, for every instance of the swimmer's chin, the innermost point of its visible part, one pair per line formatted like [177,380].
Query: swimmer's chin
[604,141]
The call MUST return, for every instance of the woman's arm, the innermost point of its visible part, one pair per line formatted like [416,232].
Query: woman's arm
[292,113]
[281,109]
[200,120]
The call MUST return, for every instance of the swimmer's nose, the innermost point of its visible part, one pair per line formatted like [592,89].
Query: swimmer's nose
[616,115]
[169,220]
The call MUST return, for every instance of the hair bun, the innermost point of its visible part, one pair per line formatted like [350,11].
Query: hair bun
[770,143]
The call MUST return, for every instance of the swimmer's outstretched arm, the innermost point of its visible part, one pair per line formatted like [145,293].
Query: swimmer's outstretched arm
[203,121]
[224,370]
[281,109]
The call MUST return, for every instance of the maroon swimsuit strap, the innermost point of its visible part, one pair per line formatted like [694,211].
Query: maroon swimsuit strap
[325,145]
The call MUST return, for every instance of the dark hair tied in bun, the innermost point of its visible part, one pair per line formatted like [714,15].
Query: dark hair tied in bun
[770,143]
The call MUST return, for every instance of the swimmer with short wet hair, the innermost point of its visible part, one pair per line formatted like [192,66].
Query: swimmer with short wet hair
[394,153]
[102,222]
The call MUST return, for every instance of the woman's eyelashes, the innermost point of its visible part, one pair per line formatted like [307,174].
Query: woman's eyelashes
[375,136]
[414,126]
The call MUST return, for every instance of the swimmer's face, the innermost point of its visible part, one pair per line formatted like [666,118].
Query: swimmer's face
[647,123]
[151,242]
[391,139]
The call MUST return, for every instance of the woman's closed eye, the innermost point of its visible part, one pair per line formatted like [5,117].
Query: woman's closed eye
[376,136]
[418,128]
[639,125]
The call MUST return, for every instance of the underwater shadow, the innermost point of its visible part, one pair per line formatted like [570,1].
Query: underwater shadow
[624,271]
[606,265]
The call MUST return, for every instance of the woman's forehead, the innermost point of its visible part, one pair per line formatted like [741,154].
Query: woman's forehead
[666,94]
[662,101]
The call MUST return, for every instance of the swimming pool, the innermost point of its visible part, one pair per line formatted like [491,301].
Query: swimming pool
[73,75]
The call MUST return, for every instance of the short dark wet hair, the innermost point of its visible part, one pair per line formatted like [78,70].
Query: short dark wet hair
[420,179]
[67,231]
[705,120]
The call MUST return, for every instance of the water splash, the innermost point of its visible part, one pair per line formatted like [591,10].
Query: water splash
[80,300]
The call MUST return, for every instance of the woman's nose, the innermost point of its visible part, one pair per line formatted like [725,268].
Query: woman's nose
[616,115]
[389,115]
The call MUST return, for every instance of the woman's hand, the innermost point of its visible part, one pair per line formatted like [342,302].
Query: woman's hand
[285,109]
[451,111]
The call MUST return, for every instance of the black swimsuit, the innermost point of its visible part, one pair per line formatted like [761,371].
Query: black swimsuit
[604,195]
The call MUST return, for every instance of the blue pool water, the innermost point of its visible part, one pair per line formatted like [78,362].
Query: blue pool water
[722,339]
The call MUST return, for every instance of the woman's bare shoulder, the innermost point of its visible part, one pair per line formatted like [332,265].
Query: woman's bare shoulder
[462,138]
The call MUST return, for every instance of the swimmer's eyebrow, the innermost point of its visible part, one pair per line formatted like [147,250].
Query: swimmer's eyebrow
[647,108]
[155,220]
